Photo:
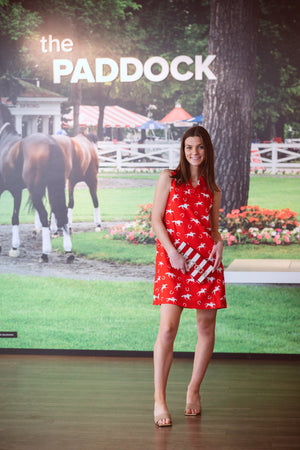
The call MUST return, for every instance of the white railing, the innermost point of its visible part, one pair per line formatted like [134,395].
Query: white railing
[275,157]
[122,155]
[271,158]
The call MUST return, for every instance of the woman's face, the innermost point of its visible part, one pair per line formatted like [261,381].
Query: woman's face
[194,150]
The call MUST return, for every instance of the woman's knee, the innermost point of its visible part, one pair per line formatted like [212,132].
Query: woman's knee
[169,323]
[167,332]
[206,323]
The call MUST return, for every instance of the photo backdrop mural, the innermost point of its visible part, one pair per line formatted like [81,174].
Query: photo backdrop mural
[117,83]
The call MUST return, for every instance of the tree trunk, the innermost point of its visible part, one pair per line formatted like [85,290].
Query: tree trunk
[102,96]
[100,133]
[229,100]
[279,127]
[76,101]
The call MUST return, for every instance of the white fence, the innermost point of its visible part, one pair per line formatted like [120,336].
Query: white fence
[271,157]
[122,155]
[275,157]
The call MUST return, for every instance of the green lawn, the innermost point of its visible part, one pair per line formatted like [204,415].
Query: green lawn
[53,313]
[131,175]
[115,204]
[96,246]
[275,192]
[121,204]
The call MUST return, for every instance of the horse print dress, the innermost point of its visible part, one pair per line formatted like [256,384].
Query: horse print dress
[187,221]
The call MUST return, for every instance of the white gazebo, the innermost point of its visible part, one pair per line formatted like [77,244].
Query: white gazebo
[37,109]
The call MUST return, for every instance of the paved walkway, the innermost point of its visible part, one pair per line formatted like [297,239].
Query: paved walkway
[279,271]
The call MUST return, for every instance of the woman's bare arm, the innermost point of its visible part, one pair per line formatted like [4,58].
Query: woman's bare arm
[214,223]
[159,206]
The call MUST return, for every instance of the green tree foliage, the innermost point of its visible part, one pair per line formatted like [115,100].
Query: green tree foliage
[96,28]
[166,29]
[145,28]
[169,29]
[16,25]
[278,64]
[118,28]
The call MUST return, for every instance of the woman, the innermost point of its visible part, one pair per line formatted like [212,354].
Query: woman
[186,210]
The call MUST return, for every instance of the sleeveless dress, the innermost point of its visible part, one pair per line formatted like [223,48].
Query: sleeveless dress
[187,220]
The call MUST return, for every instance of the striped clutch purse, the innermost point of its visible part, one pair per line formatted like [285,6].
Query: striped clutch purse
[198,266]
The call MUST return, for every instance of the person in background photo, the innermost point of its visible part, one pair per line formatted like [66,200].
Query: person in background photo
[185,215]
[62,130]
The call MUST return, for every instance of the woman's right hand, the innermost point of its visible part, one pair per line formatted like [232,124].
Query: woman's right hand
[177,261]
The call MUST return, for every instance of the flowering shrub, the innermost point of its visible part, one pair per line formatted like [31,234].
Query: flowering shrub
[247,225]
[253,225]
[137,232]
[260,171]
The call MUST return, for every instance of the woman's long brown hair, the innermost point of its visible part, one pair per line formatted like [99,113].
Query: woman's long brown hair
[182,173]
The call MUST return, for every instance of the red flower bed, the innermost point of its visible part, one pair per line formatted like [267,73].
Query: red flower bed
[251,224]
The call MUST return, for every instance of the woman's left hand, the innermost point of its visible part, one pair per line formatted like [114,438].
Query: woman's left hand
[217,251]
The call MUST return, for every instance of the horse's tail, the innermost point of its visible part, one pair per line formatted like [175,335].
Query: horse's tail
[19,161]
[91,137]
[56,184]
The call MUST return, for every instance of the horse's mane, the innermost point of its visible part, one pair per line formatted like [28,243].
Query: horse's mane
[6,121]
[6,115]
[8,134]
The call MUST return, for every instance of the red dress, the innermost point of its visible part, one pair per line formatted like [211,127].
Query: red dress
[187,220]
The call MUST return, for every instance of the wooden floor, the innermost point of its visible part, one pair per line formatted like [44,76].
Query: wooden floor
[66,402]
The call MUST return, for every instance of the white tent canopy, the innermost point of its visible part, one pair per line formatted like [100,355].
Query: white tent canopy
[114,117]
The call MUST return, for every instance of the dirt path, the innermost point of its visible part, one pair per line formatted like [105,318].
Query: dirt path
[120,183]
[28,261]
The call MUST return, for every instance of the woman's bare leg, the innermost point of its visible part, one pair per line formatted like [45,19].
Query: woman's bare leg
[163,356]
[206,322]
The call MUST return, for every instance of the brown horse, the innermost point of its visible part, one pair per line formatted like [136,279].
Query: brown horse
[36,163]
[81,164]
